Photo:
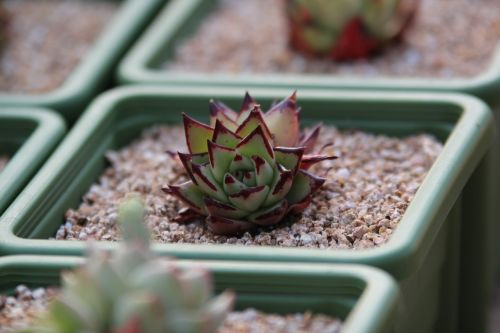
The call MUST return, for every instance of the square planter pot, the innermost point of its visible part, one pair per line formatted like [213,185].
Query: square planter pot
[423,254]
[180,19]
[27,137]
[364,298]
[95,71]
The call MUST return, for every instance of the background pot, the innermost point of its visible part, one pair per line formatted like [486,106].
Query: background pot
[423,254]
[27,136]
[365,298]
[95,71]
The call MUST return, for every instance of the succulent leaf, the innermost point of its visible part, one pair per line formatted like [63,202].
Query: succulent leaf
[241,163]
[283,122]
[249,178]
[130,216]
[310,160]
[197,135]
[225,137]
[224,226]
[206,181]
[255,143]
[264,172]
[221,112]
[303,185]
[281,187]
[218,208]
[247,106]
[138,312]
[188,193]
[252,175]
[309,140]
[254,120]
[220,159]
[231,184]
[270,215]
[250,199]
[188,159]
[290,158]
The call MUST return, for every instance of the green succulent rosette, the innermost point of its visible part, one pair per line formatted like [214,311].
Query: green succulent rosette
[247,168]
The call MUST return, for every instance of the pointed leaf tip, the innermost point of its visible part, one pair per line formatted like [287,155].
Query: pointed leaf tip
[221,112]
[224,136]
[196,134]
[282,120]
[131,216]
[254,119]
[256,143]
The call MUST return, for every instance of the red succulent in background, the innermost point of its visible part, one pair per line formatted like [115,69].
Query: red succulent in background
[347,29]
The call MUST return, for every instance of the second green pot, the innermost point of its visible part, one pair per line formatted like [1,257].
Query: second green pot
[424,254]
[364,298]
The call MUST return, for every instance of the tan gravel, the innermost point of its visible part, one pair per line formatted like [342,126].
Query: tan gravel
[366,194]
[451,38]
[46,39]
[20,310]
[253,321]
[3,161]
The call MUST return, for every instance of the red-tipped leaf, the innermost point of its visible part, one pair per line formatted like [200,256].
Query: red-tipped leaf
[304,184]
[219,111]
[189,194]
[283,122]
[256,144]
[223,226]
[197,134]
[254,120]
[217,208]
[249,199]
[310,160]
[270,215]
[224,136]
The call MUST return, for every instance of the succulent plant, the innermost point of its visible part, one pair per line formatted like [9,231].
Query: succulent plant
[347,29]
[247,169]
[131,291]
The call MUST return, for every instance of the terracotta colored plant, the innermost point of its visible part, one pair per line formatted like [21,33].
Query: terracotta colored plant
[134,292]
[347,29]
[247,169]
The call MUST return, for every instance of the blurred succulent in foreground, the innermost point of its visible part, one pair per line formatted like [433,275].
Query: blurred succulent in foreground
[347,29]
[131,291]
[247,169]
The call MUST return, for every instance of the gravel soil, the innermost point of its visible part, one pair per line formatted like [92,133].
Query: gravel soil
[3,162]
[46,39]
[366,194]
[450,38]
[19,311]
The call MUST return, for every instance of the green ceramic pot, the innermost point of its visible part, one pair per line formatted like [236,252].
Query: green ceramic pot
[27,137]
[424,254]
[364,298]
[95,72]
